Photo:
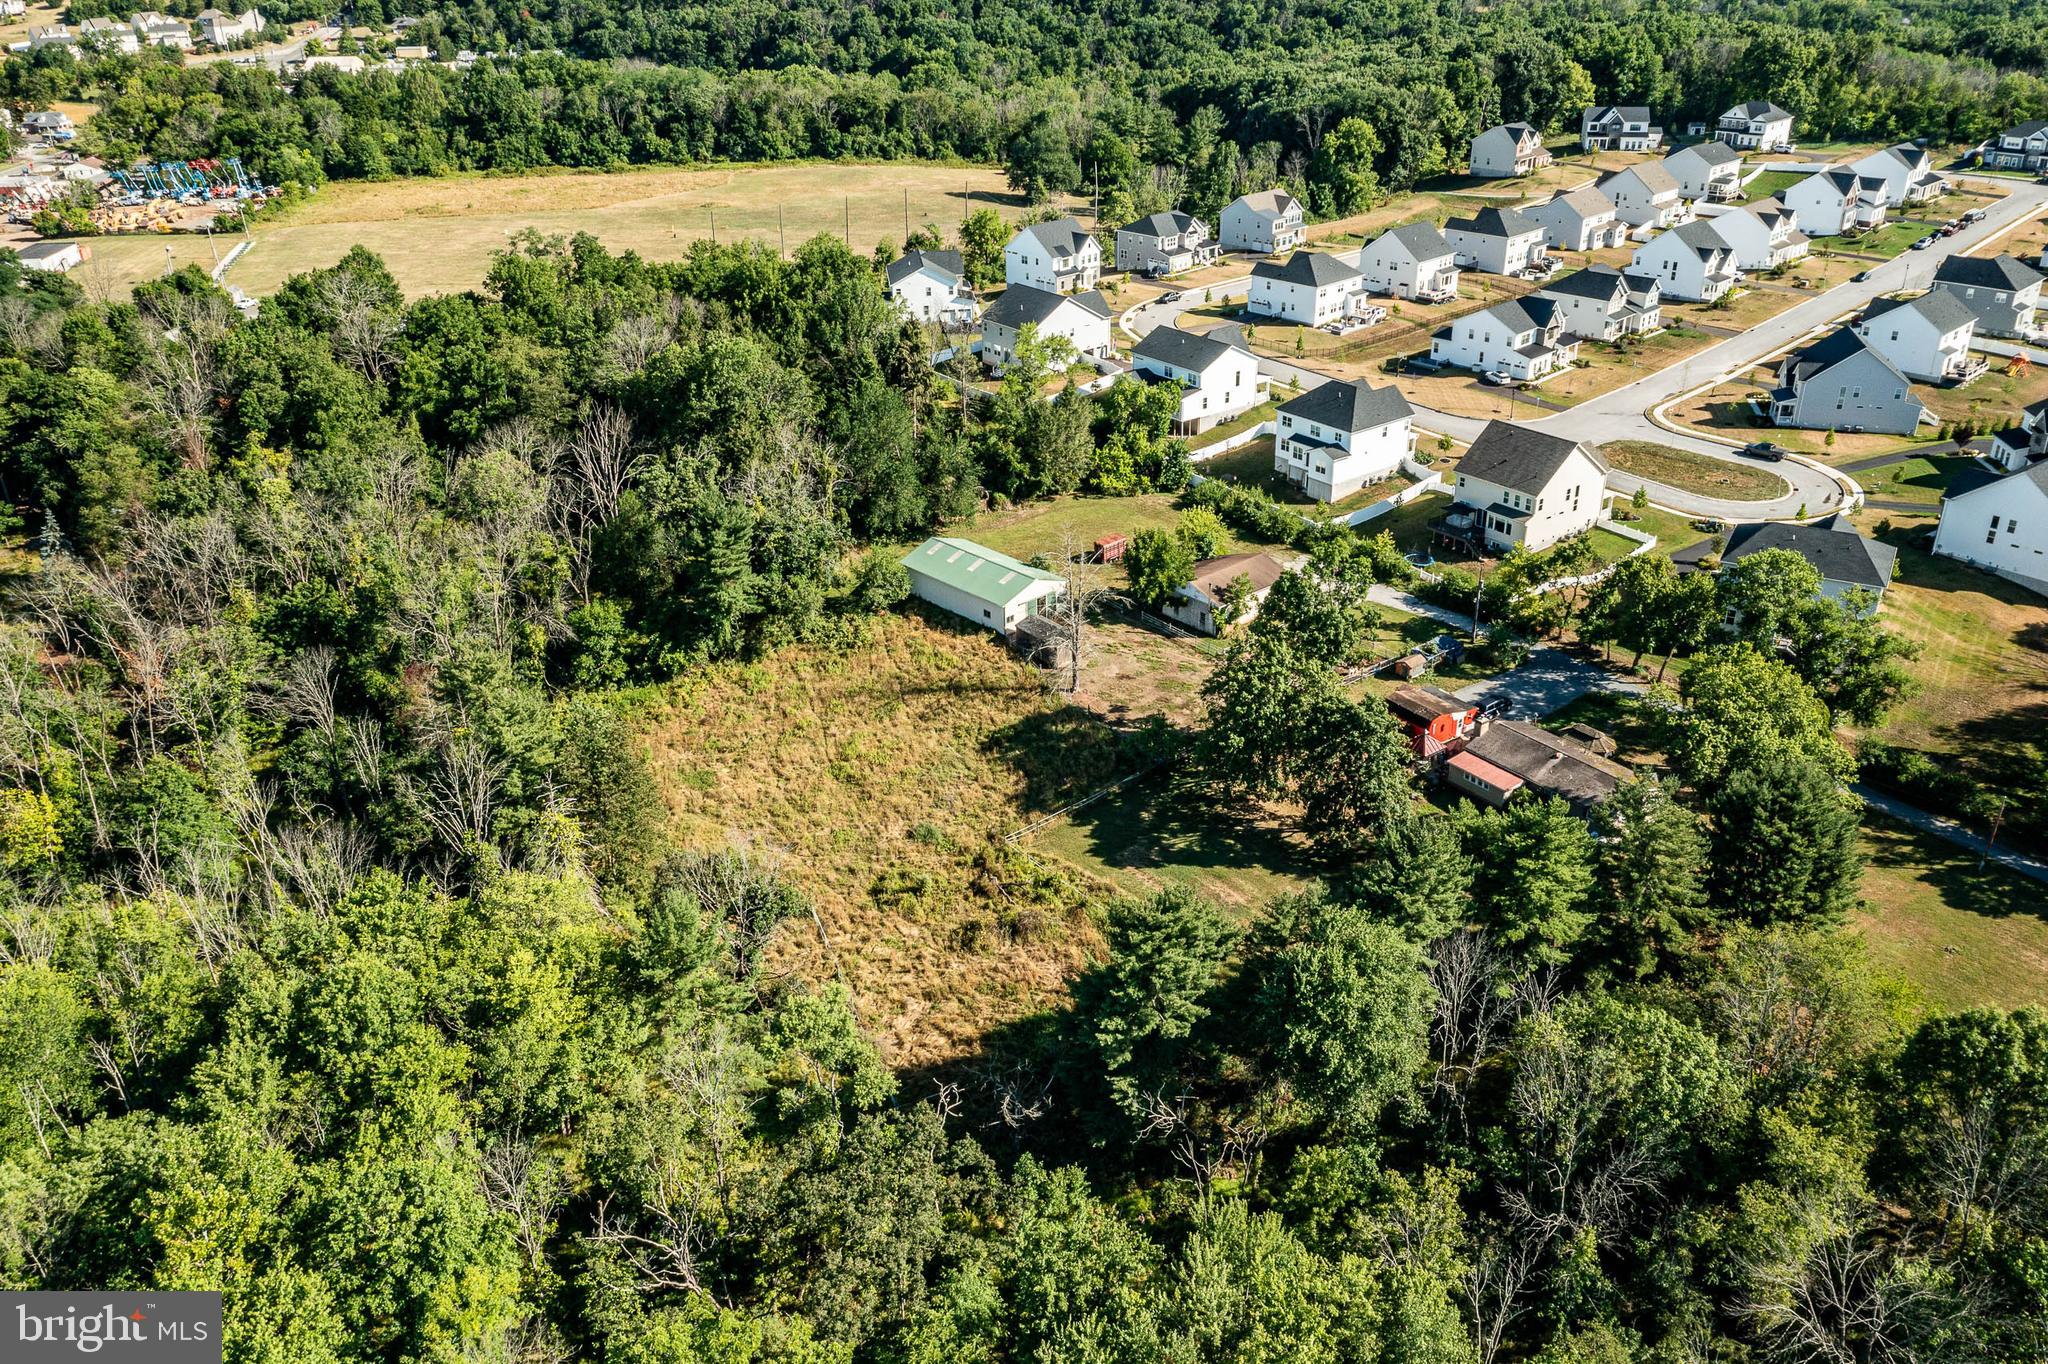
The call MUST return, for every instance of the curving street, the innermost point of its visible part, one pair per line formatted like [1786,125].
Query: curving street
[1629,412]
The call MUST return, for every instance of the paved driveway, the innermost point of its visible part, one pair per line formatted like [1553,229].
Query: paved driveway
[1549,680]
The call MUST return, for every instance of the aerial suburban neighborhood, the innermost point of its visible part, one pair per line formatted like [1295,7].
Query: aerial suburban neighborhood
[1050,682]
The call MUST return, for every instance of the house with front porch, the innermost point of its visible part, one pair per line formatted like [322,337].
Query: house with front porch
[1836,201]
[1619,128]
[1313,288]
[1341,436]
[1529,488]
[1056,256]
[1907,172]
[931,286]
[1840,384]
[2002,291]
[1583,220]
[1412,261]
[1764,235]
[1500,241]
[1707,170]
[1508,150]
[1523,338]
[1925,338]
[1645,196]
[1691,262]
[1758,126]
[1601,303]
[1266,223]
[1164,244]
[1082,320]
[2022,147]
[1218,379]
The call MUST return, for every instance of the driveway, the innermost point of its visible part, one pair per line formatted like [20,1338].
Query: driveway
[1549,680]
[1624,413]
[1948,829]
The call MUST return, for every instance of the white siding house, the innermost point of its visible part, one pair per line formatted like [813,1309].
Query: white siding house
[1340,436]
[1583,220]
[978,584]
[1413,261]
[1523,338]
[1508,150]
[1907,172]
[1691,262]
[1309,287]
[1835,201]
[932,287]
[1925,338]
[1164,244]
[1601,303]
[1623,128]
[1765,235]
[1499,241]
[1056,256]
[1707,170]
[1203,601]
[1081,319]
[1840,384]
[2018,446]
[1645,196]
[1218,379]
[1524,487]
[2001,526]
[1266,223]
[1758,126]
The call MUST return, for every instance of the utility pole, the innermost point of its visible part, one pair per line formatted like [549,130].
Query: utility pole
[714,224]
[1096,211]
[846,220]
[906,217]
[781,239]
[1478,586]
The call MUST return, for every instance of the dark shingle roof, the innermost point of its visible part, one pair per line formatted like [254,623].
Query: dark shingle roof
[1306,267]
[2000,272]
[1422,240]
[1595,281]
[1758,108]
[1627,113]
[1549,763]
[1185,350]
[1167,224]
[1520,458]
[1713,153]
[914,261]
[1021,304]
[1349,405]
[1831,350]
[1061,236]
[1700,236]
[1496,222]
[1832,546]
[1940,307]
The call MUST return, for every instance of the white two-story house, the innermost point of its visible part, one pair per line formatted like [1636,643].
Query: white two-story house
[2001,527]
[1645,196]
[2018,446]
[1925,338]
[1056,256]
[1707,170]
[932,286]
[1266,223]
[1309,287]
[1601,303]
[1500,241]
[2003,292]
[1619,128]
[1164,244]
[1523,338]
[1583,220]
[1765,235]
[1340,436]
[1528,488]
[1082,320]
[1907,172]
[1218,378]
[1691,262]
[2022,147]
[1412,261]
[1839,384]
[1508,150]
[1836,201]
[1758,126]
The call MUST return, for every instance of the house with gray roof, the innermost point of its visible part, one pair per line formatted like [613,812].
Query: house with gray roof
[1507,150]
[1836,200]
[1523,338]
[1058,256]
[2003,292]
[1764,235]
[1601,303]
[1341,436]
[979,584]
[1313,288]
[1500,241]
[1164,244]
[932,286]
[2018,446]
[1218,377]
[1907,172]
[1848,560]
[1583,220]
[1520,486]
[1645,196]
[1925,338]
[1265,223]
[2022,147]
[1620,128]
[1509,757]
[1692,262]
[1082,320]
[1840,384]
[1410,261]
[1758,126]
[1707,170]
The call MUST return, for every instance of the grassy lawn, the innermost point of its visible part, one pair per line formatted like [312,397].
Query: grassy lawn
[1964,937]
[1144,839]
[1253,464]
[1609,547]
[1891,239]
[1770,183]
[1695,472]
[878,776]
[1724,410]
[1236,425]
[1995,400]
[1920,479]
[1051,527]
[437,235]
[1673,532]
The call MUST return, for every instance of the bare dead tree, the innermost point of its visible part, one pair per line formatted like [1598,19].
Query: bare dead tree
[635,339]
[525,1185]
[1495,1284]
[1843,1299]
[666,1255]
[1472,1010]
[177,377]
[1072,611]
[362,327]
[708,1075]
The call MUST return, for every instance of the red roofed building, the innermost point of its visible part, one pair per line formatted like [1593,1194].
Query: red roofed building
[1437,722]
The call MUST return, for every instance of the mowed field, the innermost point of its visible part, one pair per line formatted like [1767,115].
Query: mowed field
[438,235]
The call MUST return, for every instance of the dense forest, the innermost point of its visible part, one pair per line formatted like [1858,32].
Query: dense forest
[1187,103]
[346,963]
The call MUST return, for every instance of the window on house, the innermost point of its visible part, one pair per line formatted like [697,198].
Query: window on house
[2011,525]
[1992,538]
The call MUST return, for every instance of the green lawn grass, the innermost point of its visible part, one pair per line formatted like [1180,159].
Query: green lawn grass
[1051,527]
[1695,472]
[1225,430]
[1770,183]
[1673,532]
[1608,547]
[1253,464]
[1891,239]
[1920,479]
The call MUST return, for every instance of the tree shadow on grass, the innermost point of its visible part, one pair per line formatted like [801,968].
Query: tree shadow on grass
[1953,873]
[1063,754]
[1159,824]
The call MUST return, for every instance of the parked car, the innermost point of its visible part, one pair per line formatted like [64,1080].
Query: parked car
[1170,296]
[1496,708]
[1925,242]
[1422,364]
[1495,377]
[1763,449]
[1859,277]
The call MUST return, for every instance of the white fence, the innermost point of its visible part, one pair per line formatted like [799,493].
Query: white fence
[1237,442]
[1428,483]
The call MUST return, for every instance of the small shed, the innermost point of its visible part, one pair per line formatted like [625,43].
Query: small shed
[1110,548]
[1408,667]
[1037,640]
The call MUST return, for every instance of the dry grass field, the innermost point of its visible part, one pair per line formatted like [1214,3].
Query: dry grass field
[438,235]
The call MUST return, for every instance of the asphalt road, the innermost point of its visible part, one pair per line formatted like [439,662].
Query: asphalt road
[1625,413]
[1548,680]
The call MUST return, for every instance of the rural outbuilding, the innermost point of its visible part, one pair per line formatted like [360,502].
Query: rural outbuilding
[993,590]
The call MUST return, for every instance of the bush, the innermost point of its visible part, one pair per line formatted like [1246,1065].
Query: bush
[1251,512]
